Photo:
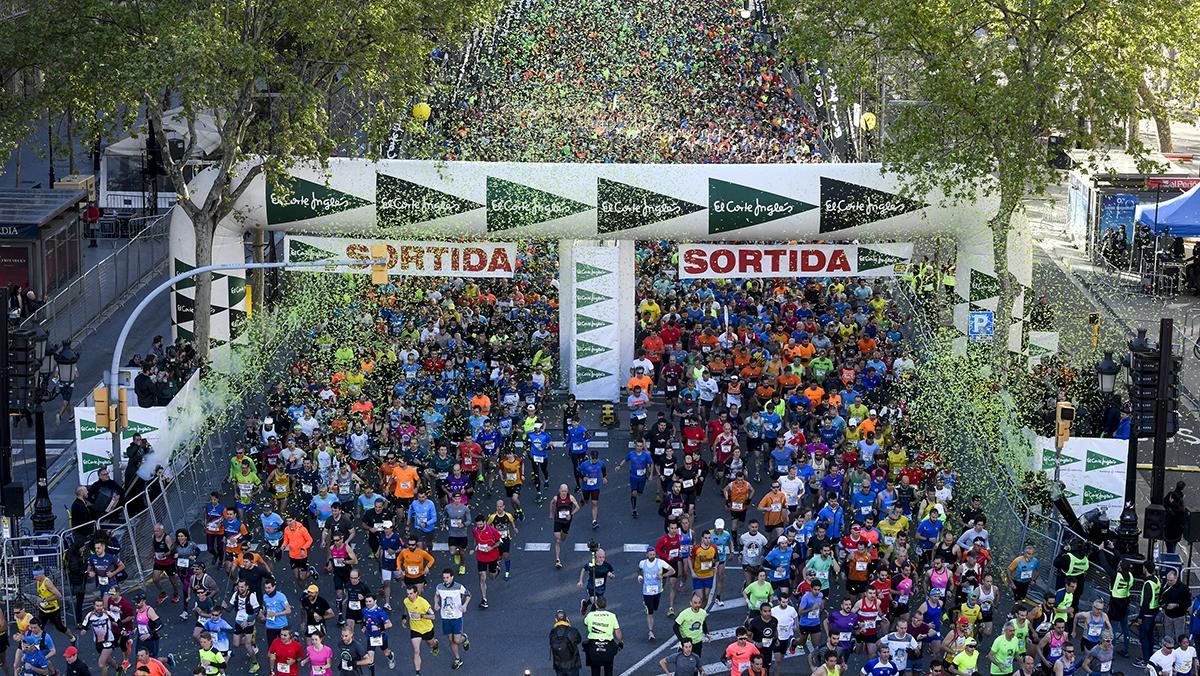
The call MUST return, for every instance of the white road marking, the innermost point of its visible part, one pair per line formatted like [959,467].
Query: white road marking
[537,546]
[441,547]
[636,549]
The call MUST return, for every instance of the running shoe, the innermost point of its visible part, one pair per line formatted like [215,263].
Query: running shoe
[162,596]
[507,574]
[437,648]
[484,604]
[175,598]
[671,611]
[650,636]
[124,665]
[456,664]
[182,616]
[462,570]
[387,607]
[392,661]
[466,642]
[254,668]
[595,525]
[557,564]
[635,513]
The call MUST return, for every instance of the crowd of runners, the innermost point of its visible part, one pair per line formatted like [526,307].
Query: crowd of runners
[385,485]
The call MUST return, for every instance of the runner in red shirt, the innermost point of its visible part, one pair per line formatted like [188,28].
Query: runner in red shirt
[693,437]
[470,452]
[667,549]
[285,654]
[487,554]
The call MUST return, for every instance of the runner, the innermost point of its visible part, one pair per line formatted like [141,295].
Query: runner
[375,626]
[563,508]
[414,563]
[641,470]
[593,472]
[512,474]
[487,554]
[652,574]
[451,601]
[419,618]
[285,654]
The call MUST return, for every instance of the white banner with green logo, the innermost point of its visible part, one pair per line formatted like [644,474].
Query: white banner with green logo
[1092,472]
[93,444]
[595,362]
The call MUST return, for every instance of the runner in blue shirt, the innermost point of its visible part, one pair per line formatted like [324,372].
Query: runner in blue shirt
[881,665]
[375,625]
[321,506]
[577,447]
[540,443]
[778,564]
[272,525]
[722,540]
[863,501]
[422,514]
[641,467]
[592,473]
[276,609]
[781,459]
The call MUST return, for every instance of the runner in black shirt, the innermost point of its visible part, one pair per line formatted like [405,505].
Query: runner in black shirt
[317,612]
[764,630]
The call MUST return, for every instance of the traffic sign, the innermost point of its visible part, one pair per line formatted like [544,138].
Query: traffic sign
[981,326]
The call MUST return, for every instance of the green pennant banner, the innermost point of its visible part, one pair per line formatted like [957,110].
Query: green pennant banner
[298,199]
[512,205]
[733,207]
[586,374]
[584,298]
[621,206]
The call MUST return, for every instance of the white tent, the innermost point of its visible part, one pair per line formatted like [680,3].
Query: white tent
[121,183]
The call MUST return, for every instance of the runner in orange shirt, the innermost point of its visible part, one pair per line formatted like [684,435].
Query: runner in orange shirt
[774,508]
[297,541]
[414,562]
[404,483]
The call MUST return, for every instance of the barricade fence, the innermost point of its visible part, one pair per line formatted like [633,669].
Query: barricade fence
[68,314]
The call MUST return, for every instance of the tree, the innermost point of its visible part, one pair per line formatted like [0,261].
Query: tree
[984,83]
[278,76]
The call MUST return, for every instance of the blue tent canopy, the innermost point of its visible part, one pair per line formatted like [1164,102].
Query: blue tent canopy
[1181,214]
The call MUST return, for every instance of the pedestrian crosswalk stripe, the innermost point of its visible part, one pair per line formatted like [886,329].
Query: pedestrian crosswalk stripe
[441,547]
[581,547]
[636,549]
[598,444]
[537,546]
[601,434]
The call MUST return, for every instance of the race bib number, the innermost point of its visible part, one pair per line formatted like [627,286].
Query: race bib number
[591,481]
[673,554]
[868,624]
[652,588]
[281,668]
[1025,575]
[706,565]
[281,489]
[413,571]
[737,506]
[564,514]
[320,670]
[183,562]
[775,507]
[314,629]
[377,641]
[510,476]
[860,565]
[640,471]
[671,388]
[456,523]
[307,488]
[676,512]
[823,575]
[688,483]
[844,636]
[539,459]
[889,540]
[668,471]
[102,580]
[422,522]
[598,582]
[354,604]
[1105,667]
[242,617]
[339,562]
[405,484]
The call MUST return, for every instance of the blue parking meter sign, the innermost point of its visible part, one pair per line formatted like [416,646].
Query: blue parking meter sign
[981,326]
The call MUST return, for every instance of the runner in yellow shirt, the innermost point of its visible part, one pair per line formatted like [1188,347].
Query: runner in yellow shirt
[418,614]
[704,566]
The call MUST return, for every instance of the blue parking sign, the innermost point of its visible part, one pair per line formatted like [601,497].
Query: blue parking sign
[981,325]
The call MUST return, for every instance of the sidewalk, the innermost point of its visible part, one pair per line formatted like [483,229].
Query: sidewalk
[95,355]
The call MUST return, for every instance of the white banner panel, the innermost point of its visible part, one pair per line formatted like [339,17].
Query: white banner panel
[413,259]
[756,261]
[596,357]
[1092,471]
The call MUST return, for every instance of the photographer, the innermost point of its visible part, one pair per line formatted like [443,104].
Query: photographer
[603,638]
[564,646]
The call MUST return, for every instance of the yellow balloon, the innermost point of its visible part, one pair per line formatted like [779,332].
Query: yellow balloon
[868,121]
[421,111]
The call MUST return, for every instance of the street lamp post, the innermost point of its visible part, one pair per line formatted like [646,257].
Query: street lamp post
[63,360]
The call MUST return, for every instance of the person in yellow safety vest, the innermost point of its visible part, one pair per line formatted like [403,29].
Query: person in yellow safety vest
[1148,603]
[909,277]
[928,277]
[1073,565]
[949,277]
[1118,605]
[1064,602]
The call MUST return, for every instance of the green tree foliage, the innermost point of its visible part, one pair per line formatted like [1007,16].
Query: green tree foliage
[985,82]
[280,77]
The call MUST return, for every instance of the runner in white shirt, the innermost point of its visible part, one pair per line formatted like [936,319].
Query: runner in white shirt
[1185,658]
[651,573]
[1163,659]
[900,642]
[450,601]
[788,619]
[793,487]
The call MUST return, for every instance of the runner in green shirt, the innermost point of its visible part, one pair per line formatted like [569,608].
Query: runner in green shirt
[758,591]
[1005,649]
[820,564]
[692,623]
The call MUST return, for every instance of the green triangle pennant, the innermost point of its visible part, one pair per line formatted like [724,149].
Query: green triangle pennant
[586,374]
[303,252]
[849,205]
[237,290]
[585,349]
[873,259]
[92,462]
[584,272]
[584,298]
[184,334]
[1092,495]
[584,323]
[733,207]
[180,268]
[1048,460]
[512,205]
[136,427]
[983,286]
[621,206]
[298,199]
[399,202]
[89,429]
[1094,460]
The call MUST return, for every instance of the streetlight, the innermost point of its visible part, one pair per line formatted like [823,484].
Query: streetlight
[1106,372]
[63,360]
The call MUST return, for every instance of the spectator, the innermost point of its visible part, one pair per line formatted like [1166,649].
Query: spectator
[81,512]
[564,646]
[1177,516]
[146,386]
[105,493]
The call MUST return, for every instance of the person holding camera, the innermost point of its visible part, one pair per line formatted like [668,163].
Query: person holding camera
[564,646]
[603,638]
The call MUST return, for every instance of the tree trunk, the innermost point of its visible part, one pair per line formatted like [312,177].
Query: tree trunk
[1010,196]
[258,277]
[1162,121]
[204,227]
[1131,133]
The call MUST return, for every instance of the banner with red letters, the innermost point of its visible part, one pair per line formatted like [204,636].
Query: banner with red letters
[757,261]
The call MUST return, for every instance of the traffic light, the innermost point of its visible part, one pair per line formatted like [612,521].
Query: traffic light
[1144,390]
[1064,415]
[100,396]
[379,271]
[22,370]
[122,409]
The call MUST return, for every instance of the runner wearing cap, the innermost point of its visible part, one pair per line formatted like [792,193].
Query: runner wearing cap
[49,600]
[316,611]
[722,540]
